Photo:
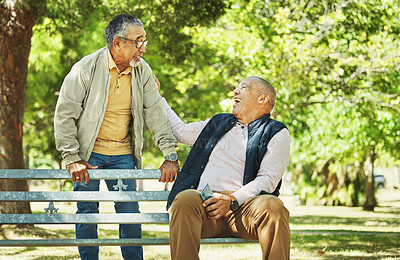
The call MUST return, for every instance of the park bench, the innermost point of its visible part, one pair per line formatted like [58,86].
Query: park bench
[53,215]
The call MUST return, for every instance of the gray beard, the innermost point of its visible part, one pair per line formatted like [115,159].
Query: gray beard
[134,63]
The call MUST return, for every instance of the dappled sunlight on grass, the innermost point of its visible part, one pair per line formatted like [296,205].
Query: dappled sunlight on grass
[339,246]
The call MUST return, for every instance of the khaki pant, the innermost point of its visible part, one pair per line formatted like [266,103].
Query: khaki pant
[264,218]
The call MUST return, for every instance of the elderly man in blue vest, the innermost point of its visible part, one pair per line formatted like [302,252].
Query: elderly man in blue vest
[242,156]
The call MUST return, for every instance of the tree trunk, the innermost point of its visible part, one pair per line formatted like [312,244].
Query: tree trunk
[357,188]
[16,22]
[370,200]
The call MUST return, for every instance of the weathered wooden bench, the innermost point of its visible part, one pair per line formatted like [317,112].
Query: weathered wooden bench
[50,216]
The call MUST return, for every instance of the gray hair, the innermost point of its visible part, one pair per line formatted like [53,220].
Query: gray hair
[119,27]
[262,86]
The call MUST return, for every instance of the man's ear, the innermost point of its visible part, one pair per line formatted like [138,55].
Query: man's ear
[263,99]
[116,43]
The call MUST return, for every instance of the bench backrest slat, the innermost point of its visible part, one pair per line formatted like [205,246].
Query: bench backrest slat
[36,196]
[105,218]
[105,174]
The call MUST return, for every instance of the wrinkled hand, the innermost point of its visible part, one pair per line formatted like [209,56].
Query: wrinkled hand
[158,83]
[78,171]
[217,206]
[169,170]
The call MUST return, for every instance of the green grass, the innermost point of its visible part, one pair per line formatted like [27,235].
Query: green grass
[317,233]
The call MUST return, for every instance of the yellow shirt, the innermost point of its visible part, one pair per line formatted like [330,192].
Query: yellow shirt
[113,136]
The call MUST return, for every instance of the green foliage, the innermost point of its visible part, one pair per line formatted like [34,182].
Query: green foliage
[335,65]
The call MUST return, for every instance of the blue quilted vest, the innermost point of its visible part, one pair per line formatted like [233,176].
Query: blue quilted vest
[260,132]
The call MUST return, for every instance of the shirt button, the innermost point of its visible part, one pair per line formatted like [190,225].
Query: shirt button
[202,166]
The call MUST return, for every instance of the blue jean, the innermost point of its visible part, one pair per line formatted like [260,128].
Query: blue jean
[83,231]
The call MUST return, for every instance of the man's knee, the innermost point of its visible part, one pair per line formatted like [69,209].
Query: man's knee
[272,206]
[185,200]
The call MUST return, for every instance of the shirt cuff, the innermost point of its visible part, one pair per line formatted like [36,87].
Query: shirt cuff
[242,196]
[71,158]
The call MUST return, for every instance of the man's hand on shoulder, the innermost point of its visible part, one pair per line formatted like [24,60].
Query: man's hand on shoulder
[218,205]
[78,171]
[169,171]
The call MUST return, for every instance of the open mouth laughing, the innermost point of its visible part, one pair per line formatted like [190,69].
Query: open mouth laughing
[237,101]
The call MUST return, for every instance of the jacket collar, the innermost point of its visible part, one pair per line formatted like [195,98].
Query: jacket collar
[255,125]
[260,120]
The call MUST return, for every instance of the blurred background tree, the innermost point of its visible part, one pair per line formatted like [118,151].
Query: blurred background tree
[335,65]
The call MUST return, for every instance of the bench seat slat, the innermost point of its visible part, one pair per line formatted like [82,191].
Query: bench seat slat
[105,174]
[84,196]
[112,242]
[106,218]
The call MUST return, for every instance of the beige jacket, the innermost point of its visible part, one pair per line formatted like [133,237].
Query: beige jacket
[83,100]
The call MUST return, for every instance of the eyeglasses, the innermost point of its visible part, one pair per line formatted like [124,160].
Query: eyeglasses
[139,44]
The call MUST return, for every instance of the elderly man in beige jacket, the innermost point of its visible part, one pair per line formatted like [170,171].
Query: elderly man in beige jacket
[104,95]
